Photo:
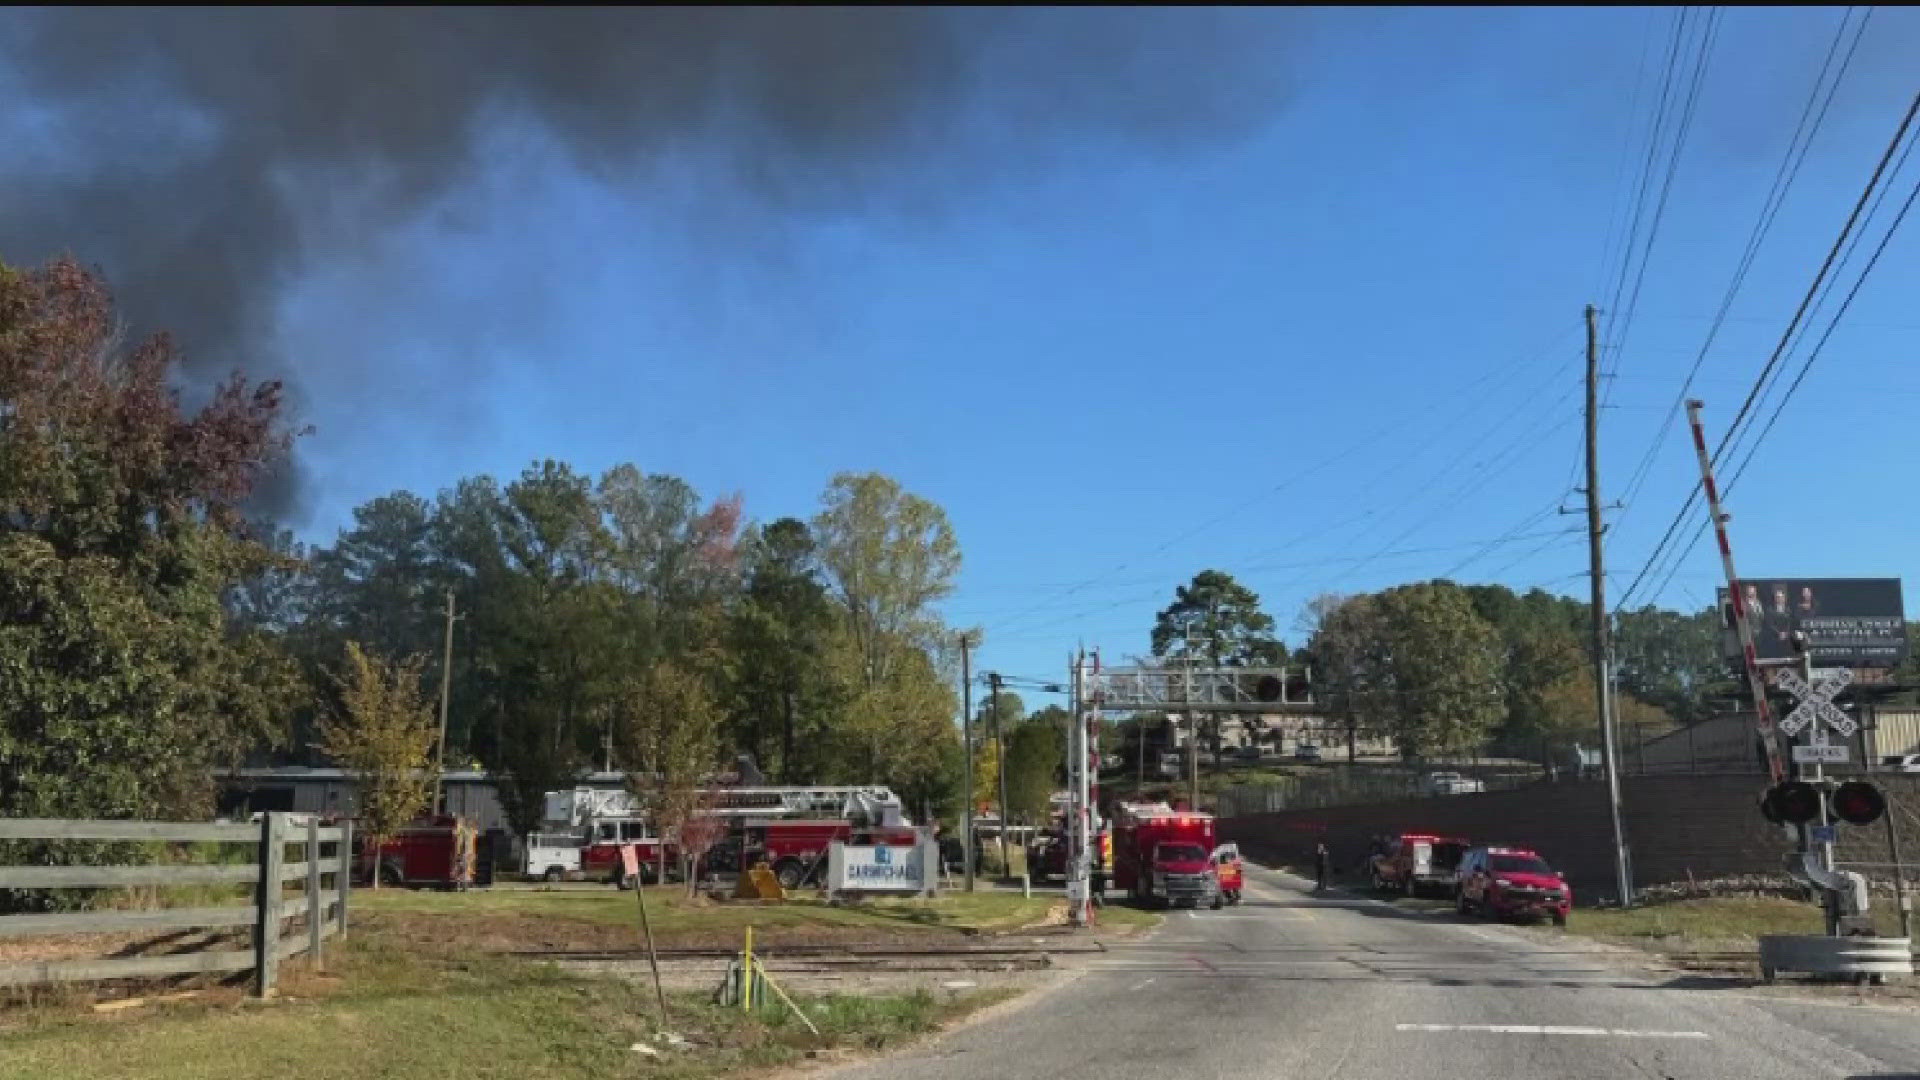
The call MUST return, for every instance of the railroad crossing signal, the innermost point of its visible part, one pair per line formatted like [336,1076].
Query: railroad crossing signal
[1816,701]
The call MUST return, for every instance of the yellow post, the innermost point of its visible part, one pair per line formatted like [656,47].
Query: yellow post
[746,973]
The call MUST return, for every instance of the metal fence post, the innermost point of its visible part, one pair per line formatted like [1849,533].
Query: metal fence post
[266,933]
[345,880]
[316,904]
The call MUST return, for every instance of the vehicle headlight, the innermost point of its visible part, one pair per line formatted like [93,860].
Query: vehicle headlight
[1503,883]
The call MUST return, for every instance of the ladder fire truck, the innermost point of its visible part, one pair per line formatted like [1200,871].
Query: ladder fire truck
[788,826]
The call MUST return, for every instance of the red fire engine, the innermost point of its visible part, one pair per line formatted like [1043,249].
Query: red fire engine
[432,851]
[789,827]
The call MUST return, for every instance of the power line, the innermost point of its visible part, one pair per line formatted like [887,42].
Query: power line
[1372,439]
[1702,55]
[1780,349]
[1819,347]
[1783,177]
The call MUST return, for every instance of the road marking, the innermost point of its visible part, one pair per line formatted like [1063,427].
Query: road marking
[1140,986]
[1553,1029]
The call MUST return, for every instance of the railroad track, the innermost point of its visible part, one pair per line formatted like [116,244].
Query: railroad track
[820,958]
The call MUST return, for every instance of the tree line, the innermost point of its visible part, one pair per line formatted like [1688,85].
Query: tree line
[1449,669]
[151,632]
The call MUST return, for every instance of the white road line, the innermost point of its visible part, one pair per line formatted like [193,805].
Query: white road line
[1139,986]
[1553,1029]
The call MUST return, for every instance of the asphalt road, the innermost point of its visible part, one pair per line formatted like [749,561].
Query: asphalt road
[1290,984]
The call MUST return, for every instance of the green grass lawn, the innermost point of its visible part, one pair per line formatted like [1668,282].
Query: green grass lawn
[1706,922]
[385,1012]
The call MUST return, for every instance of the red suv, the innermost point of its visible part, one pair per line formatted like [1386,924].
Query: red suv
[1512,883]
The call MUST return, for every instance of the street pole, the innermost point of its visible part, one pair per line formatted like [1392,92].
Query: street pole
[966,739]
[1000,767]
[1602,676]
[446,683]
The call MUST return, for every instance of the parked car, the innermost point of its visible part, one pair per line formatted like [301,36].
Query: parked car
[1508,882]
[1247,753]
[1451,783]
[1903,763]
[1306,751]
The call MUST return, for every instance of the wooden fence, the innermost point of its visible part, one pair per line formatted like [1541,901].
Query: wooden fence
[323,902]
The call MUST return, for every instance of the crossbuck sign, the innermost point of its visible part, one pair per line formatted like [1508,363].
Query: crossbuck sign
[1816,701]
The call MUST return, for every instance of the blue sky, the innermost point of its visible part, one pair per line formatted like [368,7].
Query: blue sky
[1335,351]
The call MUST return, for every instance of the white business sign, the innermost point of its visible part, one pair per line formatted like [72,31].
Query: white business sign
[1820,754]
[883,868]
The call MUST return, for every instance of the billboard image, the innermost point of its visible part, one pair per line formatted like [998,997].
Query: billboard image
[1848,622]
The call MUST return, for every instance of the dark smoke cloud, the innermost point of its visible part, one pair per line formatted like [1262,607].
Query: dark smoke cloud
[189,152]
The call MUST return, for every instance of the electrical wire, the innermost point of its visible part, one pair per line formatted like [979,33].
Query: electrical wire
[1807,364]
[1800,312]
[1798,144]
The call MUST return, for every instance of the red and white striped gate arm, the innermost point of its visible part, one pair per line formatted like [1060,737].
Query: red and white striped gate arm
[1756,682]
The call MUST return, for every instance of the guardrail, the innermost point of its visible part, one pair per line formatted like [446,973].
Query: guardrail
[323,903]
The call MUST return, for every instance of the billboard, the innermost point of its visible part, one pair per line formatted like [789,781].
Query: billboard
[1848,622]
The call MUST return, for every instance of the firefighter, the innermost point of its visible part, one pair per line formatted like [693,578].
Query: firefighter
[1322,862]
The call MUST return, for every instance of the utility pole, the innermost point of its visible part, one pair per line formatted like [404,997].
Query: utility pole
[966,739]
[1000,767]
[446,683]
[1601,654]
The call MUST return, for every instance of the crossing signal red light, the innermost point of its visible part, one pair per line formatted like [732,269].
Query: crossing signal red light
[1857,802]
[1795,802]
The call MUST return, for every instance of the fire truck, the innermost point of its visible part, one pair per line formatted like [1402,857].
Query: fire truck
[1163,856]
[439,852]
[789,827]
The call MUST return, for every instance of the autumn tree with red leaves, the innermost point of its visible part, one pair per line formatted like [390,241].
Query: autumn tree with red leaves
[122,679]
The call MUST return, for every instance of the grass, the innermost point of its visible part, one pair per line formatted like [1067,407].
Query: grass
[677,919]
[1693,924]
[385,1010]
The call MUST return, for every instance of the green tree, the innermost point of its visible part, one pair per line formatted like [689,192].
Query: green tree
[123,681]
[1035,753]
[780,631]
[383,732]
[1443,666]
[668,728]
[1542,639]
[1670,659]
[1217,621]
[889,555]
[380,583]
[1346,651]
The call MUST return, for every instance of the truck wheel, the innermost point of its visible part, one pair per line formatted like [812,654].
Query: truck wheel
[1412,888]
[790,873]
[1559,918]
[391,875]
[554,873]
[1218,902]
[1460,902]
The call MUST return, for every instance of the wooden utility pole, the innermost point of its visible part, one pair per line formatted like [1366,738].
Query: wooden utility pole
[446,682]
[966,740]
[1597,571]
